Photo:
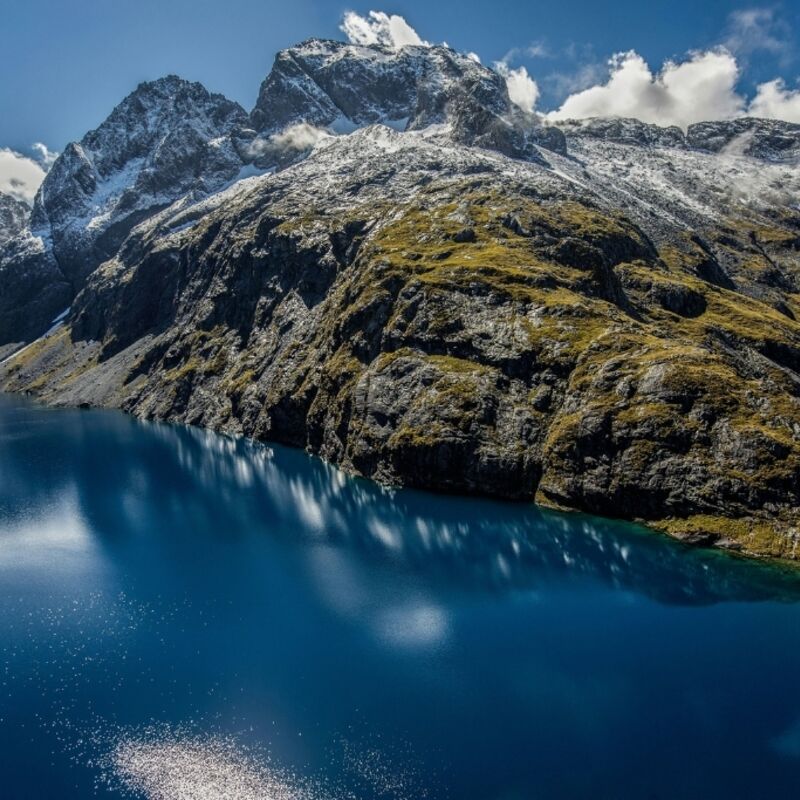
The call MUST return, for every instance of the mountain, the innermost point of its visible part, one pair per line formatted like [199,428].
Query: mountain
[168,139]
[424,284]
[343,87]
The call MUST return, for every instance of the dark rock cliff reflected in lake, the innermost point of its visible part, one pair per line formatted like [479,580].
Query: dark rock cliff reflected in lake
[174,598]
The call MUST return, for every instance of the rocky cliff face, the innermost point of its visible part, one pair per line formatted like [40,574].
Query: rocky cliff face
[607,323]
[31,284]
[767,139]
[13,217]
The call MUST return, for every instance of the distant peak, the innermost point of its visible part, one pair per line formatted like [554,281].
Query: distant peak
[172,86]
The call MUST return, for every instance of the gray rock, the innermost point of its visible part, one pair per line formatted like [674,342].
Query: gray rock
[33,290]
[624,131]
[168,139]
[767,139]
[14,215]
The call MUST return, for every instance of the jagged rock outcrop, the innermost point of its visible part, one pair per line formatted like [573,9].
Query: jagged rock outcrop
[767,139]
[624,131]
[14,216]
[33,291]
[610,327]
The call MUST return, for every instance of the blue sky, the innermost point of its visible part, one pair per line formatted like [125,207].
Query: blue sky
[67,63]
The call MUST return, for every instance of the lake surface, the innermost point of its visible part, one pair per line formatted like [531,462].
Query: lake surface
[184,615]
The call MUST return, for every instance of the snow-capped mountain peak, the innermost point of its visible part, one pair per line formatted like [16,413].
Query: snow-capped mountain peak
[167,138]
[341,87]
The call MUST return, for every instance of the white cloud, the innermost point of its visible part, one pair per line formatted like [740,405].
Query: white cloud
[757,29]
[533,50]
[44,155]
[703,87]
[20,176]
[537,50]
[522,89]
[299,137]
[775,101]
[584,76]
[378,28]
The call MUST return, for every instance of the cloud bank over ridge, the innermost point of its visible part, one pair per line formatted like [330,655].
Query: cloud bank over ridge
[702,87]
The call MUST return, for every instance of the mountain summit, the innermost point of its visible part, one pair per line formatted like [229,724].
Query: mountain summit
[168,138]
[342,87]
[390,264]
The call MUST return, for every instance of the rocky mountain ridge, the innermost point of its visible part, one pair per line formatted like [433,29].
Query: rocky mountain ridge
[764,139]
[389,264]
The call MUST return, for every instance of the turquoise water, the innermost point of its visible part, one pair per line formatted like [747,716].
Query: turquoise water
[184,615]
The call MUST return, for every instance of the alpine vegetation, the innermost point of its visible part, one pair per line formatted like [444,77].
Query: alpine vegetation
[395,262]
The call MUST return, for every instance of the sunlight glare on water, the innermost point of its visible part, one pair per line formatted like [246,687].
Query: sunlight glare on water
[187,616]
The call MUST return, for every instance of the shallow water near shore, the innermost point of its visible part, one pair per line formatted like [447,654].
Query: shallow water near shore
[186,615]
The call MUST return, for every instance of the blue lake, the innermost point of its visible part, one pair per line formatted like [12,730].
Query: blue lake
[184,615]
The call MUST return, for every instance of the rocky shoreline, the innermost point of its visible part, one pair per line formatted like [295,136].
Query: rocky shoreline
[598,317]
